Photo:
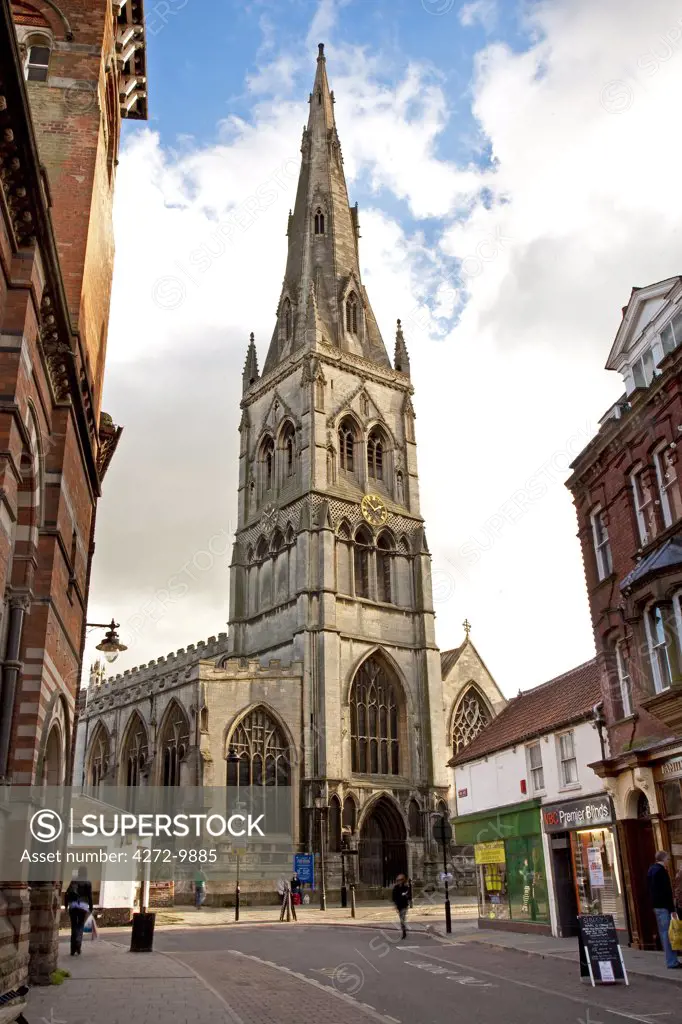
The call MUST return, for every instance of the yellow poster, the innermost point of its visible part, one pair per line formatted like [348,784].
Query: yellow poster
[489,853]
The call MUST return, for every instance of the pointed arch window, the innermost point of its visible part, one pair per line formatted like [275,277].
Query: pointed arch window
[361,562]
[347,446]
[135,751]
[415,821]
[374,714]
[174,745]
[334,824]
[352,313]
[471,717]
[99,757]
[268,463]
[288,446]
[375,455]
[262,752]
[384,558]
[349,813]
[319,221]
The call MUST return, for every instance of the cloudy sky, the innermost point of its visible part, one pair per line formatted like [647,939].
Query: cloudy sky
[517,170]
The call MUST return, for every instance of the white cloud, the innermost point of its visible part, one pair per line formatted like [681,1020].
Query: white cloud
[581,203]
[483,12]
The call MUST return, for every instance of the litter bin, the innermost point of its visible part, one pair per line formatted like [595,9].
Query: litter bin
[142,938]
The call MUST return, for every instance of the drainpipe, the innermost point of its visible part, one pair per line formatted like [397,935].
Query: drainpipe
[11,667]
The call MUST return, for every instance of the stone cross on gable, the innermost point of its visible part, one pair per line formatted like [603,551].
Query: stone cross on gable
[467,627]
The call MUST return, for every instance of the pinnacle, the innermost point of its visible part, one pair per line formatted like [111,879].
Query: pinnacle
[401,361]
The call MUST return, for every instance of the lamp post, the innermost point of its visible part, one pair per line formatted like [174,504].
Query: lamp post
[442,833]
[321,805]
[233,758]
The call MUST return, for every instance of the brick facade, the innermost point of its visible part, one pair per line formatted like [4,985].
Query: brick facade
[628,478]
[57,151]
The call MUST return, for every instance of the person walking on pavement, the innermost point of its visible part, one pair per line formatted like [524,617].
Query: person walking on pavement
[661,894]
[677,893]
[78,902]
[401,898]
[199,889]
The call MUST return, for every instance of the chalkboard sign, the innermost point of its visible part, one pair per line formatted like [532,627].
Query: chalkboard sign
[601,958]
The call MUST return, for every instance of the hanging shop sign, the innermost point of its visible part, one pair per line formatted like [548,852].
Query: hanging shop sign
[601,958]
[489,853]
[591,812]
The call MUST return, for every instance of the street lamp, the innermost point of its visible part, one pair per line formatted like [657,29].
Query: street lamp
[233,758]
[111,646]
[321,805]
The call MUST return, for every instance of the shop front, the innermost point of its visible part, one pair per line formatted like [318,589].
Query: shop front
[511,877]
[583,853]
[668,778]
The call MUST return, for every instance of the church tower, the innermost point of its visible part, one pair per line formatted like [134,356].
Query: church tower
[330,569]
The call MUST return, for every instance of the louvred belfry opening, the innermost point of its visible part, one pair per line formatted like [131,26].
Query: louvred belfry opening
[323,267]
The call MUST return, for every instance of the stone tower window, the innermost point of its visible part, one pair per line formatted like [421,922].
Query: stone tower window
[471,717]
[384,547]
[347,446]
[319,222]
[375,455]
[352,313]
[375,748]
[361,560]
[174,745]
[288,446]
[268,464]
[38,62]
[263,752]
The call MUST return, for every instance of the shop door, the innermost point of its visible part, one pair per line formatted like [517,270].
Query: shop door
[638,850]
[564,885]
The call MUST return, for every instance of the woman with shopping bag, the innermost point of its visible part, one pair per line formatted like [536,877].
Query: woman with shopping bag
[675,930]
[78,902]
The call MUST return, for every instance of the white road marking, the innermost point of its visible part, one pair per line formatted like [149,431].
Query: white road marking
[643,1018]
[368,961]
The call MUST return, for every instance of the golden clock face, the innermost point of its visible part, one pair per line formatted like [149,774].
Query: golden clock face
[374,510]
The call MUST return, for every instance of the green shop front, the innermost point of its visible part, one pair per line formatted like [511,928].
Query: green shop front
[511,876]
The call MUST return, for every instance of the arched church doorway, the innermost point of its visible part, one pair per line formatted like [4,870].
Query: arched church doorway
[382,847]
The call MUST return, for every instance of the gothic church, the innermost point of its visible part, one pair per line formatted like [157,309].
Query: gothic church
[329,680]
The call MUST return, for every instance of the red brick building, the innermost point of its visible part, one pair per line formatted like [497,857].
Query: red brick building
[626,489]
[70,70]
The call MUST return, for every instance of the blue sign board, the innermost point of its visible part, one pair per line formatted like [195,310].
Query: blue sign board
[304,867]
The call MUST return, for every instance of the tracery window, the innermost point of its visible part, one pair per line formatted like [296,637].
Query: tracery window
[347,446]
[135,752]
[361,562]
[319,222]
[384,558]
[375,455]
[352,314]
[471,716]
[262,752]
[174,745]
[288,450]
[99,757]
[375,747]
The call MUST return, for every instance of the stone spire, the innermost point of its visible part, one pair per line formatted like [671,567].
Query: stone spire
[401,361]
[250,374]
[323,301]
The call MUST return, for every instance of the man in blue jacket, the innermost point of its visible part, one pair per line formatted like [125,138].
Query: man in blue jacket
[661,893]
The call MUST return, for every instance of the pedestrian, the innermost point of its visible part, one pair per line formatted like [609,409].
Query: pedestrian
[78,902]
[295,886]
[401,898]
[199,889]
[661,895]
[409,886]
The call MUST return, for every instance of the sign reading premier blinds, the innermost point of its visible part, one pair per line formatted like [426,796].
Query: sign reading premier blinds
[592,812]
[165,833]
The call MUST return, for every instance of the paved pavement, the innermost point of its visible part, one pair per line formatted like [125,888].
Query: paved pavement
[340,975]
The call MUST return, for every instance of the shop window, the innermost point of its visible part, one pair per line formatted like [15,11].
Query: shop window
[597,880]
[567,759]
[526,879]
[537,773]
